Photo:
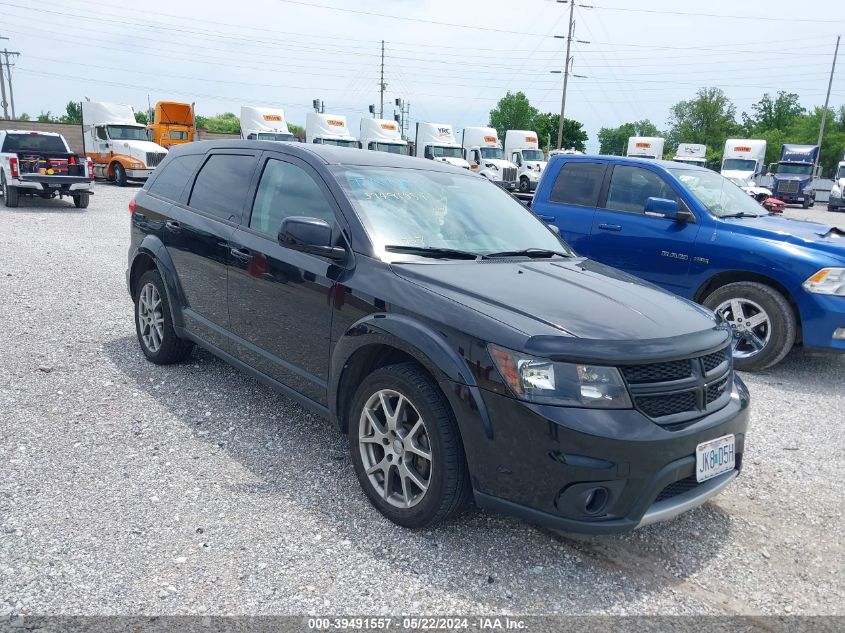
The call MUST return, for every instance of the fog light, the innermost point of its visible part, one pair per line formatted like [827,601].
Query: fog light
[839,334]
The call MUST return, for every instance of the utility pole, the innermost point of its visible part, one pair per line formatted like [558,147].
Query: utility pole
[382,85]
[3,101]
[826,101]
[565,73]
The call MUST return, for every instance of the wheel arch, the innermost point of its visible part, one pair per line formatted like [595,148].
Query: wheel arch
[379,340]
[153,255]
[735,276]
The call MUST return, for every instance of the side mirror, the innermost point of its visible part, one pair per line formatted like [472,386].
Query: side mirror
[309,235]
[669,209]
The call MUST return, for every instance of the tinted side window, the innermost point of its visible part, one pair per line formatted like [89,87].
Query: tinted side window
[630,187]
[578,184]
[221,185]
[170,181]
[286,190]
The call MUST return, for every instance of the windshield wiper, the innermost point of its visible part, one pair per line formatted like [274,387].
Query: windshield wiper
[743,214]
[432,251]
[530,252]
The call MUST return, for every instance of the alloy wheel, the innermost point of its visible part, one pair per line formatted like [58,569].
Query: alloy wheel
[395,448]
[150,317]
[751,325]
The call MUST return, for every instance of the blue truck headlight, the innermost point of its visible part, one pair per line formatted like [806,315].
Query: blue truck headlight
[828,281]
[544,381]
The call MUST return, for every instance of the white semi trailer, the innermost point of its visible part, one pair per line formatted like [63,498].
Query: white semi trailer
[436,142]
[745,159]
[486,157]
[645,147]
[691,153]
[523,150]
[264,124]
[382,135]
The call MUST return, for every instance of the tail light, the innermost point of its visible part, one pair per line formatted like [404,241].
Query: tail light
[132,207]
[13,167]
[90,168]
[71,160]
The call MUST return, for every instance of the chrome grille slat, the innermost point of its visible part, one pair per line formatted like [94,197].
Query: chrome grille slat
[154,158]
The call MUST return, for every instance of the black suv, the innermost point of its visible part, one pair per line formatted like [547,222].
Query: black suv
[464,349]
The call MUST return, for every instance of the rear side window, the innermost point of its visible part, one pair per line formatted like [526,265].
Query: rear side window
[578,184]
[630,187]
[221,185]
[33,143]
[170,181]
[286,190]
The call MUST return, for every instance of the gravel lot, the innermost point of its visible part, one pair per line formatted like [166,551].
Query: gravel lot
[127,488]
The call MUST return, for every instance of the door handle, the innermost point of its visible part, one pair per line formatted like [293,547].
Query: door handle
[610,227]
[173,226]
[241,254]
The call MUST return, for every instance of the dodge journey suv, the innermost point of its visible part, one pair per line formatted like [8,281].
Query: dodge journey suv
[463,347]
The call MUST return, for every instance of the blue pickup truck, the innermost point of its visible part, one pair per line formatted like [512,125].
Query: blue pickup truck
[778,282]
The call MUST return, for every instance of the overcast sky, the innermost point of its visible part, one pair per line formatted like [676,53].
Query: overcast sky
[640,59]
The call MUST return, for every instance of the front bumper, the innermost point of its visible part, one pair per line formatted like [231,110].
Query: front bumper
[821,316]
[139,174]
[542,463]
[507,185]
[836,201]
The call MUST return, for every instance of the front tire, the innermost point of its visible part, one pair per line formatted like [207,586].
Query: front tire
[524,185]
[119,175]
[406,448]
[154,324]
[81,200]
[763,323]
[805,203]
[11,195]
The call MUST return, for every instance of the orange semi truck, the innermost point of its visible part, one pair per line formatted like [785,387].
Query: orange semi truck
[173,124]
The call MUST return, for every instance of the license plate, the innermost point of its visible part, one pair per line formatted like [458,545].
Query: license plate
[714,458]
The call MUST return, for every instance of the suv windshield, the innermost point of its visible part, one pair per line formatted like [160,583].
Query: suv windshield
[787,168]
[434,210]
[439,151]
[33,143]
[739,164]
[533,154]
[492,153]
[719,195]
[127,133]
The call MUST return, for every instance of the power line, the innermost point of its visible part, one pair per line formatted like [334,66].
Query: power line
[756,18]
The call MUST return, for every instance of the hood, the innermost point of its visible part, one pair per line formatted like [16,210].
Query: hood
[568,297]
[735,173]
[823,237]
[498,162]
[136,149]
[457,162]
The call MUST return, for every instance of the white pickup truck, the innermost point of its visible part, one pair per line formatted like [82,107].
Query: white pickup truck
[41,164]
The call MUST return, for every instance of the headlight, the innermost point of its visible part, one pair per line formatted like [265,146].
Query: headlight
[547,382]
[828,281]
[136,165]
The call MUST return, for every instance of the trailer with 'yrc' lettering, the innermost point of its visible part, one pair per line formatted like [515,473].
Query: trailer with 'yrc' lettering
[437,142]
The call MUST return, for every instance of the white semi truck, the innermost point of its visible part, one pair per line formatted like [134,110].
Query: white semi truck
[264,124]
[382,135]
[744,159]
[645,147]
[436,142]
[117,144]
[328,129]
[523,150]
[691,153]
[486,157]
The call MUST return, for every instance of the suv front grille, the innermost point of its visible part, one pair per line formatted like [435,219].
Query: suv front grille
[509,174]
[681,390]
[154,158]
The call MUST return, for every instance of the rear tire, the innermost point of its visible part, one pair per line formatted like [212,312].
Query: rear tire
[11,195]
[422,423]
[119,175]
[154,324]
[762,320]
[81,200]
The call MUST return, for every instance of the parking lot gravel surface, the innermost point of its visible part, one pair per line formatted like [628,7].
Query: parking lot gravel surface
[127,488]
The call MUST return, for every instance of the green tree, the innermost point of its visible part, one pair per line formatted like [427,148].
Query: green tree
[546,125]
[773,114]
[805,130]
[297,130]
[614,140]
[226,123]
[141,117]
[73,113]
[24,117]
[513,112]
[709,118]
[44,117]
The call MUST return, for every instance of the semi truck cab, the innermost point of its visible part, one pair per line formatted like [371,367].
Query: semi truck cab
[486,157]
[523,150]
[793,178]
